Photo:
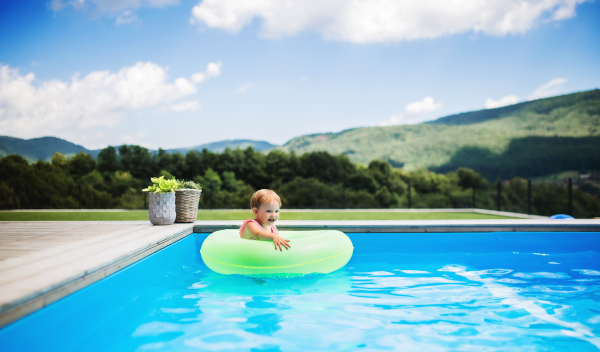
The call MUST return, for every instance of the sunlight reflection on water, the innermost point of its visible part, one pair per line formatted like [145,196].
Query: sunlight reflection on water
[410,303]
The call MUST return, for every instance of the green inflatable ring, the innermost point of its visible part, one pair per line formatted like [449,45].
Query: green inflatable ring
[321,251]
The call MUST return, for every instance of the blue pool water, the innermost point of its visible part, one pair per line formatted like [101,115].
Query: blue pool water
[406,292]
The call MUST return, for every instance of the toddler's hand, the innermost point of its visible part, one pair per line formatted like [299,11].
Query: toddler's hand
[280,242]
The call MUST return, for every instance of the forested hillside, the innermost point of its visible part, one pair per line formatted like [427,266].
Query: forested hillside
[38,148]
[228,179]
[220,146]
[527,139]
[44,148]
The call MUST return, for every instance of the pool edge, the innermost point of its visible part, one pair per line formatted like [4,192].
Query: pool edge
[419,226]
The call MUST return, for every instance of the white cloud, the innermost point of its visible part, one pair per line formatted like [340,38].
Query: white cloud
[128,17]
[90,139]
[242,89]
[504,101]
[416,112]
[368,21]
[29,108]
[135,140]
[303,78]
[554,87]
[213,69]
[190,105]
[423,106]
[405,119]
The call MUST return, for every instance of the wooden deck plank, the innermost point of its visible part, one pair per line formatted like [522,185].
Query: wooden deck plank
[107,230]
[33,237]
[59,250]
[70,254]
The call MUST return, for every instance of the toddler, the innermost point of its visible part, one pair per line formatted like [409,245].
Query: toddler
[265,205]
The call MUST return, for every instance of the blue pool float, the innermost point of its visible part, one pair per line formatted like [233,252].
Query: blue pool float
[561,217]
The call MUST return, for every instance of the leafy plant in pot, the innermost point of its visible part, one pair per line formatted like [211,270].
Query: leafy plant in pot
[162,201]
[186,201]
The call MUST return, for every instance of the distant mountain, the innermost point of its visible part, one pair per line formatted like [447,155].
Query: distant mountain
[44,148]
[218,147]
[527,139]
[39,148]
[540,106]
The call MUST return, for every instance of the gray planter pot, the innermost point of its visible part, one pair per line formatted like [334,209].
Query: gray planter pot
[162,208]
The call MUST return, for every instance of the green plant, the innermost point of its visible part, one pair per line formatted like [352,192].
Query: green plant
[160,185]
[182,184]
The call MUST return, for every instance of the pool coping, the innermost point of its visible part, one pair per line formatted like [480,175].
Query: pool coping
[419,226]
[352,210]
[166,235]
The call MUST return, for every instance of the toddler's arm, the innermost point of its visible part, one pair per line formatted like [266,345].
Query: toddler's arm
[278,241]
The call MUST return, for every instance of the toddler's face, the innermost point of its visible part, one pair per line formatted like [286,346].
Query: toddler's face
[267,214]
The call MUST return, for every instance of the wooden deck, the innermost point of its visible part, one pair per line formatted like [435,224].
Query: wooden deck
[41,262]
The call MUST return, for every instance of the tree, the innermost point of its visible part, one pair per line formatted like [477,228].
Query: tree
[322,166]
[362,180]
[59,160]
[163,160]
[468,178]
[193,164]
[278,167]
[107,160]
[81,164]
[211,187]
[137,160]
[385,176]
[253,169]
[310,193]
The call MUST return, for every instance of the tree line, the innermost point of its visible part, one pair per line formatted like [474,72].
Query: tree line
[228,179]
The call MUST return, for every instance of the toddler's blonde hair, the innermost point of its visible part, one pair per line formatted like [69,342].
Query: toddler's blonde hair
[263,196]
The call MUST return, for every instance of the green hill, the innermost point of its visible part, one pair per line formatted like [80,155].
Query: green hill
[587,99]
[39,148]
[527,139]
[218,147]
[44,148]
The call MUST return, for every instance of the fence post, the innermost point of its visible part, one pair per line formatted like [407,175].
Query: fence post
[409,196]
[79,195]
[15,196]
[212,190]
[570,186]
[499,191]
[474,199]
[343,194]
[529,196]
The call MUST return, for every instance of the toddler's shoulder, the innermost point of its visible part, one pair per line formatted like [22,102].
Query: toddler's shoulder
[250,223]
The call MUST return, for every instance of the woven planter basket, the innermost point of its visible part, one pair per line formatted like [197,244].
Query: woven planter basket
[186,204]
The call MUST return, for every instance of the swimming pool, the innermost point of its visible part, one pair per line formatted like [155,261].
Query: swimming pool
[435,291]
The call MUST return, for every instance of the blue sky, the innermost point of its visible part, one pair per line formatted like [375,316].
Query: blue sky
[168,73]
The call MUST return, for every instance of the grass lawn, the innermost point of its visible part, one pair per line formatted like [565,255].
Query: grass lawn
[240,215]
